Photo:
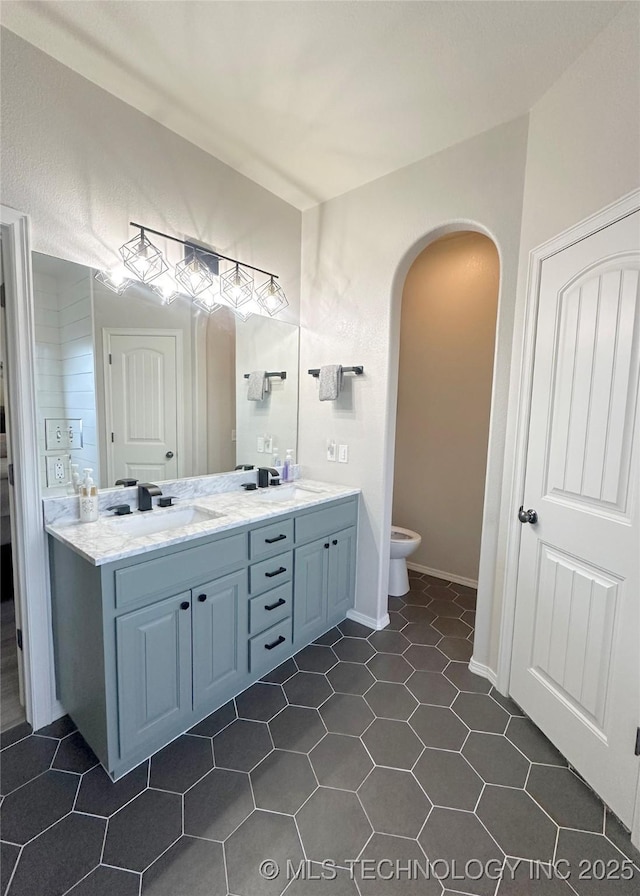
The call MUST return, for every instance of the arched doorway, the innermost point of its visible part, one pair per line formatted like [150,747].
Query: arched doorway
[445,373]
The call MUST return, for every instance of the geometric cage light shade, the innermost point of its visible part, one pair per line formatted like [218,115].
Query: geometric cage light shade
[143,259]
[271,297]
[236,287]
[194,276]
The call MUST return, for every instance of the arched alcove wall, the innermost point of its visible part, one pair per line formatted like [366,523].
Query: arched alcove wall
[447,340]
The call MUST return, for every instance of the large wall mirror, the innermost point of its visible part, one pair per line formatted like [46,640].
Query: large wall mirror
[131,387]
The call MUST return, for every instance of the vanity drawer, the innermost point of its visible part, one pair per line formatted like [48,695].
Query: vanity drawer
[271,539]
[317,523]
[270,607]
[265,650]
[270,573]
[165,575]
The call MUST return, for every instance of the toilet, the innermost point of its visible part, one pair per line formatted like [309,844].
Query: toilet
[403,543]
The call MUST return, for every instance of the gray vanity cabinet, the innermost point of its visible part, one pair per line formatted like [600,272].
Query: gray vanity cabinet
[325,572]
[149,645]
[220,622]
[153,662]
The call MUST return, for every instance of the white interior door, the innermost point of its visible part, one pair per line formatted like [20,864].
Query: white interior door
[142,396]
[576,649]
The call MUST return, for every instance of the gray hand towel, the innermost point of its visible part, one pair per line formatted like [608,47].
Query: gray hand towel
[259,385]
[330,382]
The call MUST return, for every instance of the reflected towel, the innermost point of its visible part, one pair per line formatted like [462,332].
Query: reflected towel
[330,382]
[258,385]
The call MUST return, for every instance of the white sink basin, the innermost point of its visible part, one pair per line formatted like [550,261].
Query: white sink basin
[163,520]
[289,492]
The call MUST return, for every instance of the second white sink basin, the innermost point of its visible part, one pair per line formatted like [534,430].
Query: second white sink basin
[289,492]
[156,520]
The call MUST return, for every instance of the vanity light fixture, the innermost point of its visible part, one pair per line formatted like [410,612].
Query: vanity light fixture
[271,297]
[143,259]
[195,276]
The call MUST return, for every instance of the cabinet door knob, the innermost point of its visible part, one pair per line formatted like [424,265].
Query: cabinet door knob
[335,541]
[275,643]
[326,544]
[202,598]
[184,605]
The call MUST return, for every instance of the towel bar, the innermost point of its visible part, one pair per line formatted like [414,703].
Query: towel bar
[358,370]
[280,373]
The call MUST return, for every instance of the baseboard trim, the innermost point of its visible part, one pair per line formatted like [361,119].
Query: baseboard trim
[369,621]
[483,670]
[439,574]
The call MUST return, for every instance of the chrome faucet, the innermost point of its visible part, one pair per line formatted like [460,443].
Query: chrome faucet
[145,492]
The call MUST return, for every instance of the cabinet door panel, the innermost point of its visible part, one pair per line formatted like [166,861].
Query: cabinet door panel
[310,589]
[220,628]
[342,572]
[153,648]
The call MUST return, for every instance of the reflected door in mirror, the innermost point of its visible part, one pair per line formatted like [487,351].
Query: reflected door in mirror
[142,393]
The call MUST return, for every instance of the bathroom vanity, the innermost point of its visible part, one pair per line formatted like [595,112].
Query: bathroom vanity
[152,633]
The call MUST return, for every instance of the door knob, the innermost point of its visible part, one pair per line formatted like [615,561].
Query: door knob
[527,516]
[169,454]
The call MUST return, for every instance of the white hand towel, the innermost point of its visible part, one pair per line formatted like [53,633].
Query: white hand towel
[259,385]
[330,382]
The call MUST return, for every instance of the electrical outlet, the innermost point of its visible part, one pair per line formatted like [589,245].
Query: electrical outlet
[57,470]
[331,450]
[343,454]
[233,435]
[260,444]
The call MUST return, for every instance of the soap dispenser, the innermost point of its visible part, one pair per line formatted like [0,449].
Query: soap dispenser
[73,487]
[287,472]
[88,498]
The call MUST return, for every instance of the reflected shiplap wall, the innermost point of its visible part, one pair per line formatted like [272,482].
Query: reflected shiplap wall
[65,360]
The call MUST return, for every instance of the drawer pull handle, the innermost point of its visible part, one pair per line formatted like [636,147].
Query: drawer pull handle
[335,541]
[276,572]
[202,598]
[275,643]
[273,540]
[184,605]
[278,603]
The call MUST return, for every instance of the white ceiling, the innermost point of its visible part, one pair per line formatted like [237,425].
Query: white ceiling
[311,99]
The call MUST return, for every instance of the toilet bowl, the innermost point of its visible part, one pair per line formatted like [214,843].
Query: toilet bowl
[403,543]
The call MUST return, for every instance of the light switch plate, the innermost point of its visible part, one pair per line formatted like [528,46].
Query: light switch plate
[260,444]
[268,445]
[343,454]
[331,451]
[62,433]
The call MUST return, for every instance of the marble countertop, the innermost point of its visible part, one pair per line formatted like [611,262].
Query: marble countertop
[101,542]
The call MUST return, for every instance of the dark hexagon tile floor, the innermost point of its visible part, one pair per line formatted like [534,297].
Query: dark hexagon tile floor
[366,747]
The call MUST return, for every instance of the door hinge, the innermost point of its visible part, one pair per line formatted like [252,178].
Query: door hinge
[10,476]
[110,358]
[637,742]
[3,296]
[19,638]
